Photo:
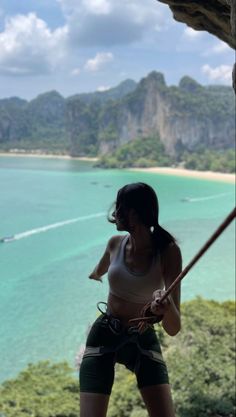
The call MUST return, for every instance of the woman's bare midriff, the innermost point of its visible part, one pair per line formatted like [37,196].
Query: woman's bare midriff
[123,310]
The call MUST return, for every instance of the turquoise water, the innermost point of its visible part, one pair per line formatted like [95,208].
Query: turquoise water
[57,209]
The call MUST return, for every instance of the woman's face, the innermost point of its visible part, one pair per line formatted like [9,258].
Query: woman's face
[120,216]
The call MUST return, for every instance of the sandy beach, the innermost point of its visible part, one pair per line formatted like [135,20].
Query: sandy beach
[205,175]
[182,172]
[49,156]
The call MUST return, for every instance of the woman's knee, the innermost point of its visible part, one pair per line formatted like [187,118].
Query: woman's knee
[158,400]
[93,405]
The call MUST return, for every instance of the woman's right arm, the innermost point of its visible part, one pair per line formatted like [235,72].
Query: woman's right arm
[102,267]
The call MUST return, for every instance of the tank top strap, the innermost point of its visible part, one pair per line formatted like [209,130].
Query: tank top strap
[120,253]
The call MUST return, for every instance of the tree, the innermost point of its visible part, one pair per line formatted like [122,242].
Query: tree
[42,390]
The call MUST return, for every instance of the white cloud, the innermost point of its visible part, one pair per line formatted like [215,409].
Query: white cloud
[76,71]
[192,34]
[191,41]
[28,46]
[222,74]
[96,63]
[109,22]
[220,48]
[102,88]
[217,49]
[97,6]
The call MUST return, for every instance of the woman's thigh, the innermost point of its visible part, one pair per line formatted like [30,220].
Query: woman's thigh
[96,380]
[96,374]
[93,405]
[158,400]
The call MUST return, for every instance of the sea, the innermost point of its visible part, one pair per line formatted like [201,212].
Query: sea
[54,212]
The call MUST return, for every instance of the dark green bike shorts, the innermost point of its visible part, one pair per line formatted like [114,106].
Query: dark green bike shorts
[140,353]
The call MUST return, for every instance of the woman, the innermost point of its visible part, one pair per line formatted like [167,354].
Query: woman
[140,266]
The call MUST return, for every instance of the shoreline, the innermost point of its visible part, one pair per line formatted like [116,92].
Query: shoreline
[180,172]
[49,156]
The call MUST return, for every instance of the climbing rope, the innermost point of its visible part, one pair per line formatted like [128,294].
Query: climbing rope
[146,314]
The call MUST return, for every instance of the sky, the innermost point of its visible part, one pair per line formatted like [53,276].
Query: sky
[75,46]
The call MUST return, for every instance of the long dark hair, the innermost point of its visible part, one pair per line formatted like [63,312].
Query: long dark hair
[143,200]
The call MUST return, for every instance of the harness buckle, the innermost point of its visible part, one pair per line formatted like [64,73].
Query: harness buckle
[115,325]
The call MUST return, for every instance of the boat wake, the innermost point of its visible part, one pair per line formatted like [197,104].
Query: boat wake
[44,229]
[210,197]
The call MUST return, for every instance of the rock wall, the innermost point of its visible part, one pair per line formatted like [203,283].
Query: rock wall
[180,118]
[212,16]
[217,17]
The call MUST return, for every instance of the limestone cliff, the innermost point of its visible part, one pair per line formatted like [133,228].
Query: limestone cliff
[13,123]
[189,116]
[184,117]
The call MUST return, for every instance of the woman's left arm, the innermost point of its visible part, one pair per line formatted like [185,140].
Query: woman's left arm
[172,266]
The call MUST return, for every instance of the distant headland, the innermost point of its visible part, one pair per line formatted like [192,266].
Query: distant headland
[138,125]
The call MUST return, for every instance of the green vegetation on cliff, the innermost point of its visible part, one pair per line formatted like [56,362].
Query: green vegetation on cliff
[201,367]
[212,102]
[114,93]
[210,160]
[39,124]
[150,152]
[143,152]
[42,390]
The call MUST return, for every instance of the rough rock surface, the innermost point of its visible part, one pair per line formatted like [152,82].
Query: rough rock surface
[213,16]
[183,117]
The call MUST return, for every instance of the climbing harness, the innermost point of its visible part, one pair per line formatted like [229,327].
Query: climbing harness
[146,317]
[115,324]
[131,349]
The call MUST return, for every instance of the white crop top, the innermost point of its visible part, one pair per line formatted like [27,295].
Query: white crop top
[132,286]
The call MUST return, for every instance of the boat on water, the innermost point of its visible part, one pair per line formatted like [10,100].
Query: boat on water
[186,199]
[7,239]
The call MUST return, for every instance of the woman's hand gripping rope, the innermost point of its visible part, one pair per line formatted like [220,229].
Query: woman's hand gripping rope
[158,307]
[153,312]
[147,316]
